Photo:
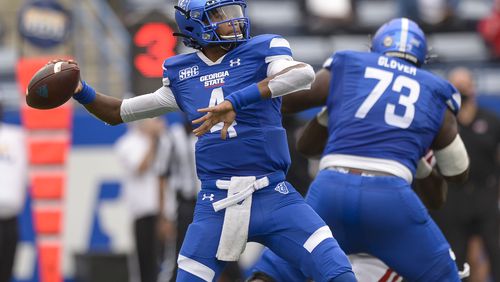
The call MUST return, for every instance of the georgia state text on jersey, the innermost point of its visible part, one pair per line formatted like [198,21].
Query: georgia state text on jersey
[384,101]
[257,141]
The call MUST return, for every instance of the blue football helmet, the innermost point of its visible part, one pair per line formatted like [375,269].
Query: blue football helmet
[401,38]
[198,21]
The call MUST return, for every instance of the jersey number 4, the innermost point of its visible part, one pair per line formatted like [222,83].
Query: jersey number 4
[385,79]
[216,98]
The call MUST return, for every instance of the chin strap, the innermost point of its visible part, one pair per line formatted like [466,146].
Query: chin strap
[178,34]
[184,12]
[192,42]
[227,46]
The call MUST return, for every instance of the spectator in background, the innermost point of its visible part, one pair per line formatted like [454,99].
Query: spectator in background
[2,32]
[472,208]
[321,16]
[13,181]
[431,14]
[146,5]
[489,28]
[180,170]
[137,151]
[409,9]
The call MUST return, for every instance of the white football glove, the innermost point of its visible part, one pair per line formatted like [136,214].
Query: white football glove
[425,165]
[322,117]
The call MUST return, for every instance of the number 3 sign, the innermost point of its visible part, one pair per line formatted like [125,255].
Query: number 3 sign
[159,44]
[152,43]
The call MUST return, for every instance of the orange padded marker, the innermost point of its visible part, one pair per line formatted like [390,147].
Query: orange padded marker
[47,221]
[57,118]
[48,185]
[50,261]
[48,150]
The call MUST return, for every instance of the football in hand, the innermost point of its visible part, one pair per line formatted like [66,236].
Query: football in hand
[53,85]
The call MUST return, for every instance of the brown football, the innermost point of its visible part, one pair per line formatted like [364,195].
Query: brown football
[52,85]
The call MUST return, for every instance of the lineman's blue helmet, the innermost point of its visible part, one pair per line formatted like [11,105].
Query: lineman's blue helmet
[401,38]
[198,21]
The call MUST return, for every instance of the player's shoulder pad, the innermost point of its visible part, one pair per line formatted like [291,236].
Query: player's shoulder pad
[172,66]
[178,59]
[269,40]
[336,58]
[449,94]
[271,46]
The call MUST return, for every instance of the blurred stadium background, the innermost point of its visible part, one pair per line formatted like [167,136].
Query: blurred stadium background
[120,45]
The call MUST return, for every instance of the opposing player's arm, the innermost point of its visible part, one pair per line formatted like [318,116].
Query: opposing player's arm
[429,184]
[312,140]
[449,150]
[432,189]
[309,98]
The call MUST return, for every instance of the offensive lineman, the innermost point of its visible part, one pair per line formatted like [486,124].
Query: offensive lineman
[384,112]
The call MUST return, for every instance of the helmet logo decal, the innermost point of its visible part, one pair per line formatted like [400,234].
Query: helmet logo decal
[184,4]
[415,42]
[388,41]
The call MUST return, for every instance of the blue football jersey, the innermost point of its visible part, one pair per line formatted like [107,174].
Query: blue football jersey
[257,143]
[384,107]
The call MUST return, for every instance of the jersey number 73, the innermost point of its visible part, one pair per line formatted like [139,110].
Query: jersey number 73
[385,79]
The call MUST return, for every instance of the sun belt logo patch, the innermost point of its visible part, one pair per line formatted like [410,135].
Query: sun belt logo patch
[281,187]
[188,72]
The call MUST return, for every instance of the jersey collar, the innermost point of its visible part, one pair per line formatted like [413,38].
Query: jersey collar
[207,61]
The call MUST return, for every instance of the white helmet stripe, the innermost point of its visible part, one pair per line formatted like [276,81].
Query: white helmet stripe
[404,34]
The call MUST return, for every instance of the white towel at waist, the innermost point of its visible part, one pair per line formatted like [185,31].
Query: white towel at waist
[238,206]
